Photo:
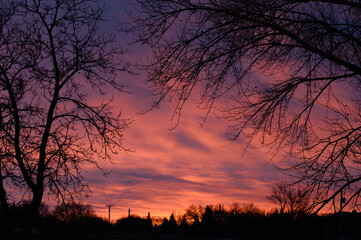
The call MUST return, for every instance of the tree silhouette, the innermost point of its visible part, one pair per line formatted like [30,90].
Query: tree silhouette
[208,217]
[172,222]
[52,56]
[72,211]
[290,199]
[194,214]
[134,225]
[291,70]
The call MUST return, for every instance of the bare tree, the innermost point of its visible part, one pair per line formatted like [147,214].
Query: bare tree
[291,70]
[194,214]
[52,58]
[73,211]
[290,199]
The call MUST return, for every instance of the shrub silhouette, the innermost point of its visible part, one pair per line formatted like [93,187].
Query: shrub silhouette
[134,225]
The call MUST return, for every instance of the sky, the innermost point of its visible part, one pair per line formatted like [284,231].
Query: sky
[168,170]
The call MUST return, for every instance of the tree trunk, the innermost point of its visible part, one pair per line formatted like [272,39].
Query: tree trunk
[31,215]
[6,217]
[4,207]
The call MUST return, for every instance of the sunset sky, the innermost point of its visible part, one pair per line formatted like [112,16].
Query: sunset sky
[168,170]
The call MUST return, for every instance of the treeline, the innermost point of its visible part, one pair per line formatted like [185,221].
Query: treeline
[238,221]
[68,219]
[246,221]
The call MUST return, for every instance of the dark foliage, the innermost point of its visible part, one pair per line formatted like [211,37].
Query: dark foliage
[134,225]
[73,212]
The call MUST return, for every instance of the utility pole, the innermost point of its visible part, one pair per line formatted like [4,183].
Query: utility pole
[109,206]
[341,198]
